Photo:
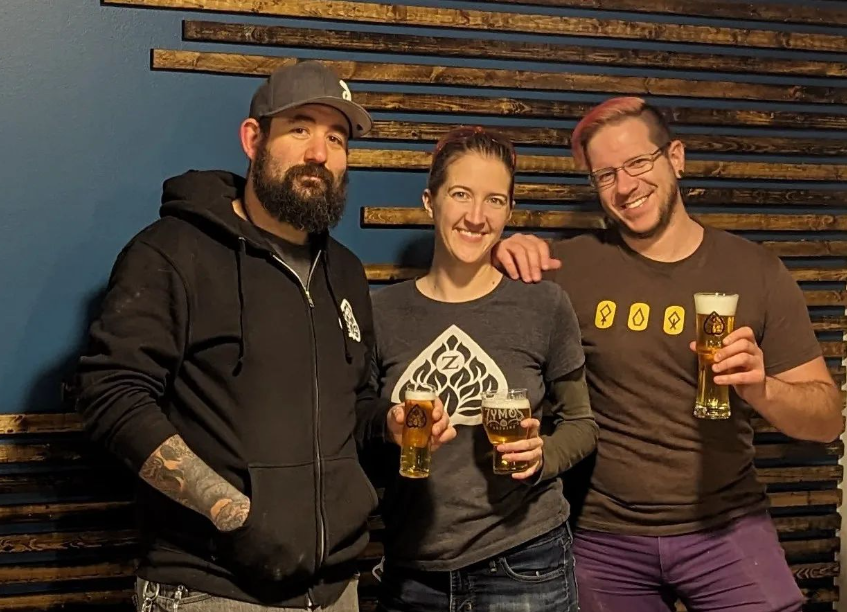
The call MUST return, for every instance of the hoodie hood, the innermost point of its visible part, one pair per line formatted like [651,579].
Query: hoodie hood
[204,199]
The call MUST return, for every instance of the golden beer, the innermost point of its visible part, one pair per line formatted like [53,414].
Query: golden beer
[715,321]
[415,453]
[502,413]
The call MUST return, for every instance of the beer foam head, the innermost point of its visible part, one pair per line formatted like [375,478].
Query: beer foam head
[723,304]
[501,401]
[422,395]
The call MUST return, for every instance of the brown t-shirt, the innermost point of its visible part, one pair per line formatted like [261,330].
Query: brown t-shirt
[659,470]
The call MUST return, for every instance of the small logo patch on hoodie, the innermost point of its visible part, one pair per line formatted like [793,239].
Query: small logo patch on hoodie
[350,321]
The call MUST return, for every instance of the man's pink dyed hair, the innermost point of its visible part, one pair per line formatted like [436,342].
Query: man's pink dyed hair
[613,111]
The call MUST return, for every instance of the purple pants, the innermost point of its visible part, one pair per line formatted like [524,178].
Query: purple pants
[740,568]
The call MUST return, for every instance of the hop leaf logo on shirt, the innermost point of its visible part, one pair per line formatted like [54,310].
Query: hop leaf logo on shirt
[459,370]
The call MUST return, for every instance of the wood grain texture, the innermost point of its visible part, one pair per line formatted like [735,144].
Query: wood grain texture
[32,513]
[23,574]
[119,600]
[425,74]
[405,159]
[796,12]
[556,109]
[369,12]
[442,46]
[381,273]
[47,423]
[560,219]
[699,196]
[66,541]
[408,131]
[799,499]
[806,474]
[793,525]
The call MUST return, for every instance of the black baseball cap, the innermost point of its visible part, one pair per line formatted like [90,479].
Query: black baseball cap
[308,82]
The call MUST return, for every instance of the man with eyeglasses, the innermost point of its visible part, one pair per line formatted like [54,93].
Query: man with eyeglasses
[672,508]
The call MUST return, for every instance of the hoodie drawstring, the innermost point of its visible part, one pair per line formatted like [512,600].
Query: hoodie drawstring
[341,320]
[242,342]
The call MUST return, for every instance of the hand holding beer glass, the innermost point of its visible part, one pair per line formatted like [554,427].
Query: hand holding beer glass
[419,426]
[415,451]
[503,415]
[715,321]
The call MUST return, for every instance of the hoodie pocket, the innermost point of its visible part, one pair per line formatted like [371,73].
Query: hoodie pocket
[349,500]
[278,540]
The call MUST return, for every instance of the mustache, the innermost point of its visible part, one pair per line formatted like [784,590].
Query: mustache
[310,170]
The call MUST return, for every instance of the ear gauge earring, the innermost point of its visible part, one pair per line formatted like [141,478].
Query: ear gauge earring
[680,174]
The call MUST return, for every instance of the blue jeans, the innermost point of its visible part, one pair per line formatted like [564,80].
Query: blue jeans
[537,576]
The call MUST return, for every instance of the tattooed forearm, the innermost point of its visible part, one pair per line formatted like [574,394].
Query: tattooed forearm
[173,469]
[231,514]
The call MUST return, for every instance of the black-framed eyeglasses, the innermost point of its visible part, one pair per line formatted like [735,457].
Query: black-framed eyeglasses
[606,177]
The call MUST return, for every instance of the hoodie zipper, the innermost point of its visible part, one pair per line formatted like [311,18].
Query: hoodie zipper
[318,463]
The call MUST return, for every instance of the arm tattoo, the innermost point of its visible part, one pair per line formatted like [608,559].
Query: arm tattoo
[173,469]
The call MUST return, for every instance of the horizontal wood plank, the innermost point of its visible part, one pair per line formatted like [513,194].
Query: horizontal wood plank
[792,525]
[561,109]
[20,574]
[381,273]
[806,548]
[117,484]
[40,423]
[834,349]
[425,74]
[799,499]
[806,474]
[38,453]
[66,541]
[806,248]
[442,46]
[799,452]
[795,12]
[835,324]
[31,513]
[408,131]
[699,196]
[823,275]
[560,219]
[119,599]
[381,14]
[404,159]
[825,298]
[815,571]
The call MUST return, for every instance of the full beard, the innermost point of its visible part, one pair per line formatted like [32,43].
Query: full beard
[313,209]
[666,210]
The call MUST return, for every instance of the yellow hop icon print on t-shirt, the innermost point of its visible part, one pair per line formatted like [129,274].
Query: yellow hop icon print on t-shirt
[639,316]
[604,316]
[674,320]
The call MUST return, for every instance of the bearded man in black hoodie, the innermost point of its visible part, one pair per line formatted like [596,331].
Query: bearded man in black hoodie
[230,368]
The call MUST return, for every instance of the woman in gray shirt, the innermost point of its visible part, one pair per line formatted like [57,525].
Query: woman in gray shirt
[466,538]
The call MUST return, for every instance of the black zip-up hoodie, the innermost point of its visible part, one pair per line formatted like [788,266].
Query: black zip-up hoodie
[206,333]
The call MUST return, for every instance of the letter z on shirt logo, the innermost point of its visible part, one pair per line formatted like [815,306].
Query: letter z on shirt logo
[350,321]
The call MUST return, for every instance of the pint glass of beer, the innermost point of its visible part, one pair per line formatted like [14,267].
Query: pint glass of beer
[715,321]
[502,413]
[415,453]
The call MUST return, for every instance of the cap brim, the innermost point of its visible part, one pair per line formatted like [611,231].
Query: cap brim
[359,119]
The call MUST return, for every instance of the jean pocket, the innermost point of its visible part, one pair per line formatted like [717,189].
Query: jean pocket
[540,560]
[153,596]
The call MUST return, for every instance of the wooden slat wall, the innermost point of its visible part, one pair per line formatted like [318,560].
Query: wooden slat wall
[768,159]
